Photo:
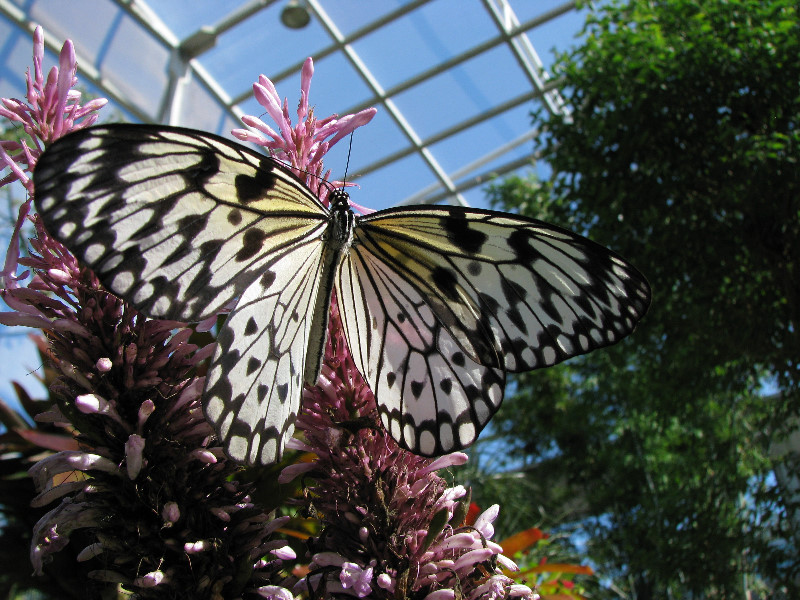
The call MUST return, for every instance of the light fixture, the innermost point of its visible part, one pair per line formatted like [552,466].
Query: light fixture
[295,15]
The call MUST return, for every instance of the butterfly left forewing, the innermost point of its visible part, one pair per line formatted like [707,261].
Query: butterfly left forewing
[180,223]
[177,222]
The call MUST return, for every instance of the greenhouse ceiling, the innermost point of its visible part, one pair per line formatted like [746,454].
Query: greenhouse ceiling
[454,81]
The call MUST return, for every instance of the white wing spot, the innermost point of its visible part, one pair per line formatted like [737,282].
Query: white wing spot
[482,411]
[410,436]
[90,143]
[583,341]
[143,293]
[67,229]
[528,356]
[427,443]
[122,282]
[161,306]
[212,377]
[94,252]
[446,436]
[565,344]
[214,408]
[237,448]
[269,451]
[466,433]
[549,355]
[255,443]
[112,262]
[225,425]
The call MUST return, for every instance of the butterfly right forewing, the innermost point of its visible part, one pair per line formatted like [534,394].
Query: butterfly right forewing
[438,303]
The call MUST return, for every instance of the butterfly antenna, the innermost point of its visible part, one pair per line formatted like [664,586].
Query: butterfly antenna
[347,164]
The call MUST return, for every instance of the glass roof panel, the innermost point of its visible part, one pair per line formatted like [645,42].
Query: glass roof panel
[422,40]
[16,50]
[392,184]
[350,15]
[463,91]
[184,17]
[472,144]
[136,63]
[61,21]
[260,44]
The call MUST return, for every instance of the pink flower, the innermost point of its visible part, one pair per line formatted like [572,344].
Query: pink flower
[152,487]
[302,145]
[53,109]
[357,578]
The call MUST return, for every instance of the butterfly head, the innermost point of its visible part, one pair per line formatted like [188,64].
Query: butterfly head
[339,199]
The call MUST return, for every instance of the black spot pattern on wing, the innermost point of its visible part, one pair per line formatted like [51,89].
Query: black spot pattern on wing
[447,281]
[252,243]
[235,216]
[250,187]
[462,233]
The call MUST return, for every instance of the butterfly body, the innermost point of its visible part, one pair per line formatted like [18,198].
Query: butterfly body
[336,242]
[437,303]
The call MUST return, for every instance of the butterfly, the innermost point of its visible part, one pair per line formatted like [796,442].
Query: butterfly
[437,303]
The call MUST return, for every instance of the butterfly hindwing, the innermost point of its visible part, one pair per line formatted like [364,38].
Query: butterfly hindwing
[255,381]
[433,398]
[177,222]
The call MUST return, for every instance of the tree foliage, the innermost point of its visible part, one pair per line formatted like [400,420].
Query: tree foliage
[681,153]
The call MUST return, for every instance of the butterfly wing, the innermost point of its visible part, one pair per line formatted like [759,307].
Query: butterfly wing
[492,292]
[255,381]
[177,222]
[180,223]
[432,397]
